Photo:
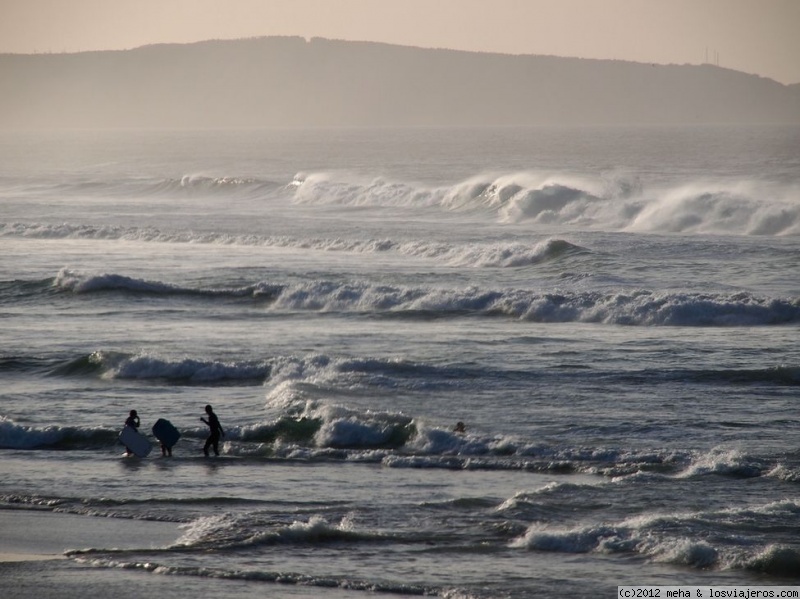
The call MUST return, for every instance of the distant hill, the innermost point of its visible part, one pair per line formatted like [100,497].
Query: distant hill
[290,82]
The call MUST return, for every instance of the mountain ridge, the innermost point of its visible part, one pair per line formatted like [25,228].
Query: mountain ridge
[294,82]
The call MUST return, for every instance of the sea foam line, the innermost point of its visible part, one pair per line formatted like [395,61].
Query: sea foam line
[282,578]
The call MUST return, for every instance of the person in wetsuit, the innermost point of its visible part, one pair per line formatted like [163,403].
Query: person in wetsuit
[215,431]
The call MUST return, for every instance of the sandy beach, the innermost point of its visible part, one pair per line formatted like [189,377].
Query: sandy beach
[33,542]
[39,535]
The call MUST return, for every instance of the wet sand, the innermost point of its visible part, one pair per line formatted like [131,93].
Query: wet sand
[34,535]
[33,564]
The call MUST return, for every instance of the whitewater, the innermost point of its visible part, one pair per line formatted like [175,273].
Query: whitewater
[614,314]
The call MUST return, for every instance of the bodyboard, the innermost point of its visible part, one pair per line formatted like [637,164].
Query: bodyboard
[137,443]
[166,433]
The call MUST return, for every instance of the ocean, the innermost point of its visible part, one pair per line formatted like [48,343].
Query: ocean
[612,312]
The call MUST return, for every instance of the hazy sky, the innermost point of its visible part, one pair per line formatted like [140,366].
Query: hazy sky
[754,36]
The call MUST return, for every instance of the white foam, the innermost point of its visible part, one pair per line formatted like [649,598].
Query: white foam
[621,203]
[721,460]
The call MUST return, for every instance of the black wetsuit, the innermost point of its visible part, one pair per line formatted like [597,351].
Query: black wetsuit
[216,431]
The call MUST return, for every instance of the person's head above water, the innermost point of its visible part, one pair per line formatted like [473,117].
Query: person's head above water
[133,414]
[208,409]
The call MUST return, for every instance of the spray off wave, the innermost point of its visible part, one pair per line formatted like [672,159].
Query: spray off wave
[609,202]
[702,207]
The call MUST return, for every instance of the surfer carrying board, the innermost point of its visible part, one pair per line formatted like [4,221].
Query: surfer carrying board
[133,422]
[215,431]
[167,435]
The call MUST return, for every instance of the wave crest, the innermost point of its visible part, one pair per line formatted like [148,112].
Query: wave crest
[670,538]
[632,308]
[609,203]
[18,436]
[481,255]
[117,365]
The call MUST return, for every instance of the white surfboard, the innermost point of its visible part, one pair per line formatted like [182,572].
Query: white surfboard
[137,443]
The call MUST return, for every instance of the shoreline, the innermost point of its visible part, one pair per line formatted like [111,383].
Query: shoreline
[41,535]
[7,557]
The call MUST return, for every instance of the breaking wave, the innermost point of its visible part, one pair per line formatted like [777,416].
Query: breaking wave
[19,436]
[485,255]
[686,539]
[235,531]
[739,208]
[117,365]
[631,308]
[614,202]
